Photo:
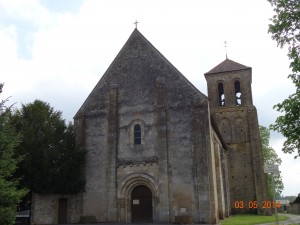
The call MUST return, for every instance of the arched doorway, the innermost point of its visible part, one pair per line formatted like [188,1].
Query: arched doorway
[141,205]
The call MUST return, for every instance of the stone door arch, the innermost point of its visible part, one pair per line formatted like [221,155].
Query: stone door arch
[126,193]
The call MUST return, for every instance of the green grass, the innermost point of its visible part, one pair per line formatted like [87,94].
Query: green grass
[251,219]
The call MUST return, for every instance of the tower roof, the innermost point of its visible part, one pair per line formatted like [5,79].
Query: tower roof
[227,65]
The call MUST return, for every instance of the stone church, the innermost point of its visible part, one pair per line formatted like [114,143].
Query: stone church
[158,150]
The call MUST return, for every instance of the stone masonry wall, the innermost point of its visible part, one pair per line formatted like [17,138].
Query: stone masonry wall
[45,208]
[176,157]
[238,125]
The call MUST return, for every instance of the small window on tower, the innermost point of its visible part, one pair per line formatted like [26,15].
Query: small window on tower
[221,94]
[238,94]
[137,134]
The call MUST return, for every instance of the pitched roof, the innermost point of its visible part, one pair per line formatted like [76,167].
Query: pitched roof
[227,65]
[137,49]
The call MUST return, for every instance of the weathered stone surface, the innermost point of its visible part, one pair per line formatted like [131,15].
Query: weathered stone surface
[238,125]
[44,209]
[181,155]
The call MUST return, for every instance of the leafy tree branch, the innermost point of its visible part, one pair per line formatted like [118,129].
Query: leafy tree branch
[285,30]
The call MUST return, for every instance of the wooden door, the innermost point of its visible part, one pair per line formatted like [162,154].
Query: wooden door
[141,205]
[62,211]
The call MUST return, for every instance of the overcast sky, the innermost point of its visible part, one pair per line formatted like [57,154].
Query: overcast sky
[57,51]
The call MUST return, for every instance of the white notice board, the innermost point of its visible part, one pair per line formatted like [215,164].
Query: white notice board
[271,169]
[136,202]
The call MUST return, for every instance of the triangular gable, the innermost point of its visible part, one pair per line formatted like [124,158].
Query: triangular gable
[137,35]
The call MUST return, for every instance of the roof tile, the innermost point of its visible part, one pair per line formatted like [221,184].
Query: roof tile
[227,65]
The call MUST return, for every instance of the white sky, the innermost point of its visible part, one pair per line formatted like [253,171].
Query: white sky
[57,51]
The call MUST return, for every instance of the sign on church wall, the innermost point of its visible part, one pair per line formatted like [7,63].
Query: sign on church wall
[271,169]
[136,202]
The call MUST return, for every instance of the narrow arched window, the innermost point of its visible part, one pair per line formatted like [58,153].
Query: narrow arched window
[137,134]
[238,94]
[221,94]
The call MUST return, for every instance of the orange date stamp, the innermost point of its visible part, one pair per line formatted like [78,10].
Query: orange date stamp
[255,204]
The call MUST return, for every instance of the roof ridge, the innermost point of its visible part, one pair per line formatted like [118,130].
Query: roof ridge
[172,66]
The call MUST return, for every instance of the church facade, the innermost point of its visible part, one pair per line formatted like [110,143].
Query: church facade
[158,150]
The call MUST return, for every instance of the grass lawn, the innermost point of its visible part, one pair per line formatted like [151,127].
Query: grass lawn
[251,219]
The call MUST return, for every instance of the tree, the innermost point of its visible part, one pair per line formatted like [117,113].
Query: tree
[10,196]
[53,162]
[285,29]
[270,157]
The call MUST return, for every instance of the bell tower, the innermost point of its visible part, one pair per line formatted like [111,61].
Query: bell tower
[231,105]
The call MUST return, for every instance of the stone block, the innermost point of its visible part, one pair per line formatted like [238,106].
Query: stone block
[88,219]
[183,220]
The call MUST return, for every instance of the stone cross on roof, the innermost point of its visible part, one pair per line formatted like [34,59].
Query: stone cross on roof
[136,22]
